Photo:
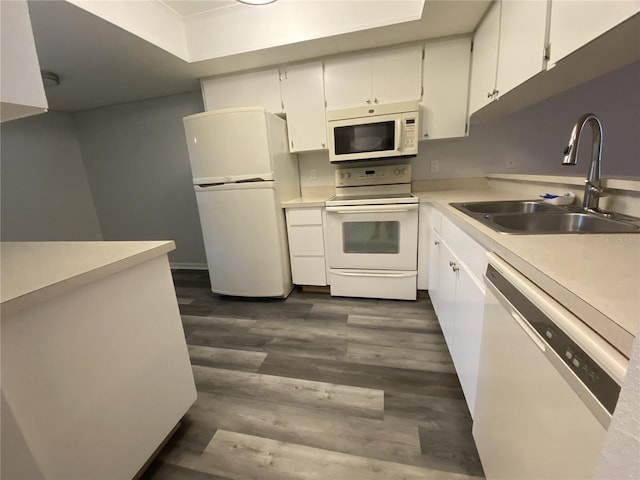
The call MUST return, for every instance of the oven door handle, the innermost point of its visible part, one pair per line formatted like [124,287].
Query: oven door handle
[369,273]
[399,208]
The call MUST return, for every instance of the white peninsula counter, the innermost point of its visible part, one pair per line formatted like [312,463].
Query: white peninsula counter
[95,368]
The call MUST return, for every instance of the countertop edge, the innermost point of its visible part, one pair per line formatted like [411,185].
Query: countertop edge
[590,315]
[19,303]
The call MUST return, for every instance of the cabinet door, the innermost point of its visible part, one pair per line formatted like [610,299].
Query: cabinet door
[347,81]
[485,60]
[302,88]
[574,24]
[468,332]
[424,246]
[446,89]
[435,244]
[522,41]
[447,296]
[396,75]
[255,89]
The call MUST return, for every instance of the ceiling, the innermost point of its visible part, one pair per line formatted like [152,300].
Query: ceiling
[101,64]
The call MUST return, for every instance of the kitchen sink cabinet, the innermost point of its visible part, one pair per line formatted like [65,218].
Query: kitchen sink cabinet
[302,88]
[445,78]
[508,49]
[386,76]
[457,295]
[305,230]
[574,24]
[254,89]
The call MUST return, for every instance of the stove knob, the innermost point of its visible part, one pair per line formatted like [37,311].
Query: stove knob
[396,172]
[348,175]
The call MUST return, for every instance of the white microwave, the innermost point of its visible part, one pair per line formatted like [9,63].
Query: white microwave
[377,131]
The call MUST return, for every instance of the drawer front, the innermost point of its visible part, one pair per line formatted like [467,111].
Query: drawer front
[304,216]
[471,253]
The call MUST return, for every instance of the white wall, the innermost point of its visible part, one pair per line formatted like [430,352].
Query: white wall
[138,168]
[44,193]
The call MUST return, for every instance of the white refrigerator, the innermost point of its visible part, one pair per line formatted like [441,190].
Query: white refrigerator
[242,172]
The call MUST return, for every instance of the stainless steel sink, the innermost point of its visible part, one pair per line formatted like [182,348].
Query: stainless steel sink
[562,222]
[508,206]
[534,217]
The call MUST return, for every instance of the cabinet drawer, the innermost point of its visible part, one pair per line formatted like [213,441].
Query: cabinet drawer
[308,271]
[304,216]
[471,253]
[306,240]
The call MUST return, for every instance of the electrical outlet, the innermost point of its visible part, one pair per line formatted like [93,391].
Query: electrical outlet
[313,175]
[510,164]
[435,165]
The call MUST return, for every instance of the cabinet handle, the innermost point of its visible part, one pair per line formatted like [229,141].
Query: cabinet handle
[437,242]
[455,268]
[490,94]
[323,145]
[426,134]
[451,263]
[291,143]
[375,100]
[369,100]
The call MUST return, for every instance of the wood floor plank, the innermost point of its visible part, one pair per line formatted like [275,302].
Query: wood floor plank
[438,361]
[243,360]
[342,399]
[369,376]
[245,457]
[454,450]
[425,323]
[426,410]
[167,471]
[235,340]
[217,321]
[381,439]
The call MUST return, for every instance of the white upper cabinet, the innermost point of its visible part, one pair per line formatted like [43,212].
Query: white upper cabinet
[485,60]
[508,49]
[522,41]
[387,76]
[446,88]
[574,24]
[302,88]
[21,83]
[254,89]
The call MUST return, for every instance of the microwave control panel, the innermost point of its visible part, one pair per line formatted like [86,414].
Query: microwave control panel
[409,142]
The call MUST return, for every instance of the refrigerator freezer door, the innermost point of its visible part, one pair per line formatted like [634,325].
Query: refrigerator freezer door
[245,240]
[229,145]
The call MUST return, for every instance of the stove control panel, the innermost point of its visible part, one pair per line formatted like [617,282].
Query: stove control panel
[380,175]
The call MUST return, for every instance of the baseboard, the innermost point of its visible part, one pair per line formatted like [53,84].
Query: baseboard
[188,266]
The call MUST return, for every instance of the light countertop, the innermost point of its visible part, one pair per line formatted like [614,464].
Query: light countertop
[31,272]
[596,276]
[315,200]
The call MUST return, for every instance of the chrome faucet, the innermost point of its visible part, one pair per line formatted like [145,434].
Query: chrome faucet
[593,189]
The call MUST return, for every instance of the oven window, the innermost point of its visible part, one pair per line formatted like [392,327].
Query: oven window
[371,237]
[369,137]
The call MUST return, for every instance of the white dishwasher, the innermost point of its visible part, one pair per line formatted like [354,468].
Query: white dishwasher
[547,384]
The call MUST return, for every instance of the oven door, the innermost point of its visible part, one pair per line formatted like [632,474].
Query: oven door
[363,138]
[374,237]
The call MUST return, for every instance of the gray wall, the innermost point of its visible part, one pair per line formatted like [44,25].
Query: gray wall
[138,168]
[533,138]
[44,190]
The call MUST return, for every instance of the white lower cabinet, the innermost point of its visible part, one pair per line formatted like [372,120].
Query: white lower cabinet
[458,299]
[305,230]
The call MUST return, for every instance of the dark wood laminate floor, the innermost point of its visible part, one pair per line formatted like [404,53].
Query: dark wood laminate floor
[317,387]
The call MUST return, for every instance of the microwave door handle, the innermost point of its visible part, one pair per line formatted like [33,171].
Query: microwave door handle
[398,135]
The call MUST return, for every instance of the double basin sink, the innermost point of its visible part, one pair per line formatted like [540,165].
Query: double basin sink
[537,217]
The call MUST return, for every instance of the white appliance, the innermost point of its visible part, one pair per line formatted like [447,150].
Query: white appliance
[370,132]
[372,233]
[242,171]
[547,384]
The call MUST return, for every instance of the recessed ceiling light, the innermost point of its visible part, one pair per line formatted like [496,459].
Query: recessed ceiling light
[256,2]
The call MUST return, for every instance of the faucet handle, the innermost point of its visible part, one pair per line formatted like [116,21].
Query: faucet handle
[595,190]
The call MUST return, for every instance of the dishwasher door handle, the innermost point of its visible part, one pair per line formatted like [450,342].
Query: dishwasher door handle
[374,209]
[528,329]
